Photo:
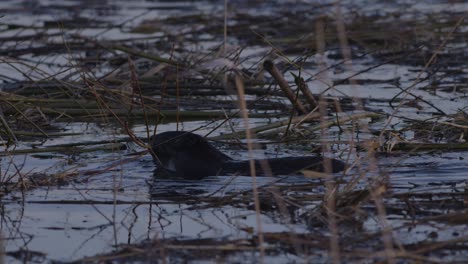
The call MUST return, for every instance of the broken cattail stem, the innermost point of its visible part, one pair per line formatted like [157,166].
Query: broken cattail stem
[305,91]
[273,70]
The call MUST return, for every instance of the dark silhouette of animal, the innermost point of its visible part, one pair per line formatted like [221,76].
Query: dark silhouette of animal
[190,156]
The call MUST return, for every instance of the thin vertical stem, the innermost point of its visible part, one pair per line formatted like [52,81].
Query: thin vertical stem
[249,137]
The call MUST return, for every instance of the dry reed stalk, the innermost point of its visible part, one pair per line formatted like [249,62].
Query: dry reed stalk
[136,89]
[64,149]
[143,55]
[25,116]
[331,188]
[2,249]
[386,235]
[305,91]
[249,137]
[413,147]
[283,84]
[344,119]
[122,122]
[431,60]
[278,124]
[9,131]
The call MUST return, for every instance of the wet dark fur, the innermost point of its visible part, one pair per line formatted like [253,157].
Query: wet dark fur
[190,156]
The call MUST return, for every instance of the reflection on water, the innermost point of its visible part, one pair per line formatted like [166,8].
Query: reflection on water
[112,198]
[86,218]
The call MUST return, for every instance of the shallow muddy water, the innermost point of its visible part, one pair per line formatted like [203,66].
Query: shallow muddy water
[104,198]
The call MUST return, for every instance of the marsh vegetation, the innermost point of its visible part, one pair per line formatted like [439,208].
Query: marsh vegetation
[382,87]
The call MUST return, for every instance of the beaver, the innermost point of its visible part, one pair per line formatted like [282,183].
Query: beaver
[190,156]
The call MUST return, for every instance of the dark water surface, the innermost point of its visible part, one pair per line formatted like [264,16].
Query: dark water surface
[121,203]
